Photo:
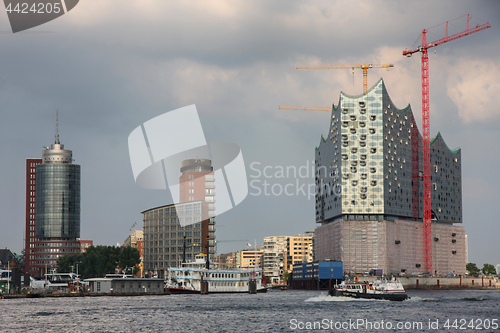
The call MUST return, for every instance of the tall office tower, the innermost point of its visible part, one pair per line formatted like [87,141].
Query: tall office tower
[57,225]
[369,190]
[29,245]
[197,183]
[192,219]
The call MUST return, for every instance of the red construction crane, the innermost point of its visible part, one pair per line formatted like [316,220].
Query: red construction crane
[426,126]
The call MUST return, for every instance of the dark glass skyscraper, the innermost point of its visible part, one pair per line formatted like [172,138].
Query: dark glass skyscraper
[57,206]
[58,197]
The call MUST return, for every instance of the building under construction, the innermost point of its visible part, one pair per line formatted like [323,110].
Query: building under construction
[369,191]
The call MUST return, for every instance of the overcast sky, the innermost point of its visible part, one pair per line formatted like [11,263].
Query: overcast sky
[109,66]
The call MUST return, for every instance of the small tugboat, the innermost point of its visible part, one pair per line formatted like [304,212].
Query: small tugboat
[383,288]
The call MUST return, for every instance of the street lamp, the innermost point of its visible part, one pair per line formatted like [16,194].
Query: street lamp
[77,277]
[78,262]
[9,275]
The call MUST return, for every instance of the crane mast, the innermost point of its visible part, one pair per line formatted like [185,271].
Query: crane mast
[426,160]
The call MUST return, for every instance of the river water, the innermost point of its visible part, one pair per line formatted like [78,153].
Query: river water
[275,311]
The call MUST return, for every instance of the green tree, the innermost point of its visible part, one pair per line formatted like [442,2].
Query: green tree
[472,269]
[489,269]
[67,263]
[129,257]
[97,261]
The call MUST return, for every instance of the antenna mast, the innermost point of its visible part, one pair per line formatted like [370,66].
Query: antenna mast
[57,127]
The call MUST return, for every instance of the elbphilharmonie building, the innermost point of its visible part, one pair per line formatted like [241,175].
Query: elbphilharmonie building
[369,190]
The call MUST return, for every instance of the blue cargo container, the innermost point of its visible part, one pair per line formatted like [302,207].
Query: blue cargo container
[316,275]
[329,270]
[299,272]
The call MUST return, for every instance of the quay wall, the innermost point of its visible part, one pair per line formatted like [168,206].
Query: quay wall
[459,282]
[481,282]
[409,283]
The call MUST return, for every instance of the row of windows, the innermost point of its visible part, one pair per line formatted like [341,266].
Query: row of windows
[354,131]
[354,150]
[45,262]
[59,186]
[44,176]
[149,229]
[174,234]
[70,216]
[50,245]
[160,264]
[355,170]
[180,235]
[148,258]
[173,249]
[57,167]
[227,284]
[60,159]
[57,250]
[49,256]
[209,177]
[352,117]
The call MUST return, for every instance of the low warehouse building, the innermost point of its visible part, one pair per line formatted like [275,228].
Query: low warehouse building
[125,285]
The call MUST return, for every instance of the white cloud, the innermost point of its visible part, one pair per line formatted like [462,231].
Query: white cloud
[474,85]
[403,80]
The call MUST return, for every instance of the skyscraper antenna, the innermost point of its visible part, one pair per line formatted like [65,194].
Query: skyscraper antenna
[57,127]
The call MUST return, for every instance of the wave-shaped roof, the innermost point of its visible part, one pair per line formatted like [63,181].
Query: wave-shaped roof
[381,82]
[434,139]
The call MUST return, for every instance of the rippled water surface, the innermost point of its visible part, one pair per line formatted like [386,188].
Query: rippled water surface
[275,311]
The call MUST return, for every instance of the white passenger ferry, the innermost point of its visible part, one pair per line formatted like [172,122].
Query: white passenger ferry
[198,277]
[63,282]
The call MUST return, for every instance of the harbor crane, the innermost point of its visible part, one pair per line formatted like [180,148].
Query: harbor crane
[426,174]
